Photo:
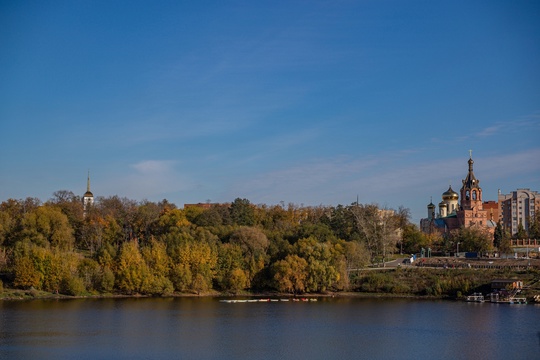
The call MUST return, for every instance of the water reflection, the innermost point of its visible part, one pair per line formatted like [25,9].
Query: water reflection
[204,328]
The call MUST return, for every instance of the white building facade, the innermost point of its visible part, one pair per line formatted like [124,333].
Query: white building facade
[518,207]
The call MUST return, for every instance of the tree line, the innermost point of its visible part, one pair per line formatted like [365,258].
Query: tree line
[119,245]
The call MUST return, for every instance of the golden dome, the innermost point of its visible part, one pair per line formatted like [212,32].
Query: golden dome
[450,194]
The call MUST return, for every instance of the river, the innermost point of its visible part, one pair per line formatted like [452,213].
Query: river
[205,328]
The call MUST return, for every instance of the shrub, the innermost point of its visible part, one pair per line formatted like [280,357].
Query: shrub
[74,286]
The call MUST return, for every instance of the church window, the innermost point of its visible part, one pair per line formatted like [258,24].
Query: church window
[474,195]
[467,196]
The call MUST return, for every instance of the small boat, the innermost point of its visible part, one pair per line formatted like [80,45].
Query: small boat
[476,297]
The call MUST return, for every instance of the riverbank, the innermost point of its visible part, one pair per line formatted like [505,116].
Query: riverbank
[406,282]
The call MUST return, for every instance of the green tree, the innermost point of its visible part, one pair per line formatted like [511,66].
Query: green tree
[413,239]
[230,258]
[251,240]
[7,226]
[47,225]
[90,272]
[498,235]
[254,244]
[521,232]
[472,239]
[242,212]
[534,226]
[321,264]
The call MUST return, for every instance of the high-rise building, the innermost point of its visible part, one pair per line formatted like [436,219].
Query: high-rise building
[518,207]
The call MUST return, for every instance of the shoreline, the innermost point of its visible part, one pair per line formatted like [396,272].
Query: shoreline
[29,295]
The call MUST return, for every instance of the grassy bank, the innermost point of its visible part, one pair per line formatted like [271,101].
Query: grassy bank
[397,282]
[441,283]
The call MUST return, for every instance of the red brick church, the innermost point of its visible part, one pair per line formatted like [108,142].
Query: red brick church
[453,215]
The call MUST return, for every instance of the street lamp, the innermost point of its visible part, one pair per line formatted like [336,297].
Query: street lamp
[457,249]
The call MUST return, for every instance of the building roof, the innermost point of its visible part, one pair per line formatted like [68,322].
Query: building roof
[471,181]
[450,194]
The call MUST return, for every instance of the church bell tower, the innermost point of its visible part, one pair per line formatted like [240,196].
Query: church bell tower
[471,211]
[88,197]
[471,193]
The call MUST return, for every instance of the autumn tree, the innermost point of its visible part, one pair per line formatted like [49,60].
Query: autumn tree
[194,260]
[170,221]
[47,225]
[230,273]
[254,244]
[49,269]
[131,269]
[70,205]
[378,228]
[146,214]
[251,240]
[290,274]
[356,255]
[321,270]
[158,262]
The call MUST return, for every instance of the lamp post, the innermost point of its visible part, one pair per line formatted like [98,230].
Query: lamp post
[457,249]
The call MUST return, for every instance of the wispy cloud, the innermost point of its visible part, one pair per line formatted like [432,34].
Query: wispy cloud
[527,124]
[150,179]
[154,167]
[397,179]
[491,130]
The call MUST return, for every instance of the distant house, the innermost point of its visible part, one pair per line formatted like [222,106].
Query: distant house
[200,205]
[506,284]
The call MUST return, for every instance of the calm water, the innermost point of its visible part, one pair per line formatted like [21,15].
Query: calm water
[204,328]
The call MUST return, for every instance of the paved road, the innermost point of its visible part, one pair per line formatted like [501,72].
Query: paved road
[387,265]
[395,263]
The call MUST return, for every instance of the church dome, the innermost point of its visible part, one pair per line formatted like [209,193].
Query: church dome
[450,194]
[88,194]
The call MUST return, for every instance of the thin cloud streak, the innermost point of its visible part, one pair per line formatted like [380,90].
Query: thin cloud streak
[149,179]
[327,181]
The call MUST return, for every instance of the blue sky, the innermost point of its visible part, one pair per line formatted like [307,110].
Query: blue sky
[309,102]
